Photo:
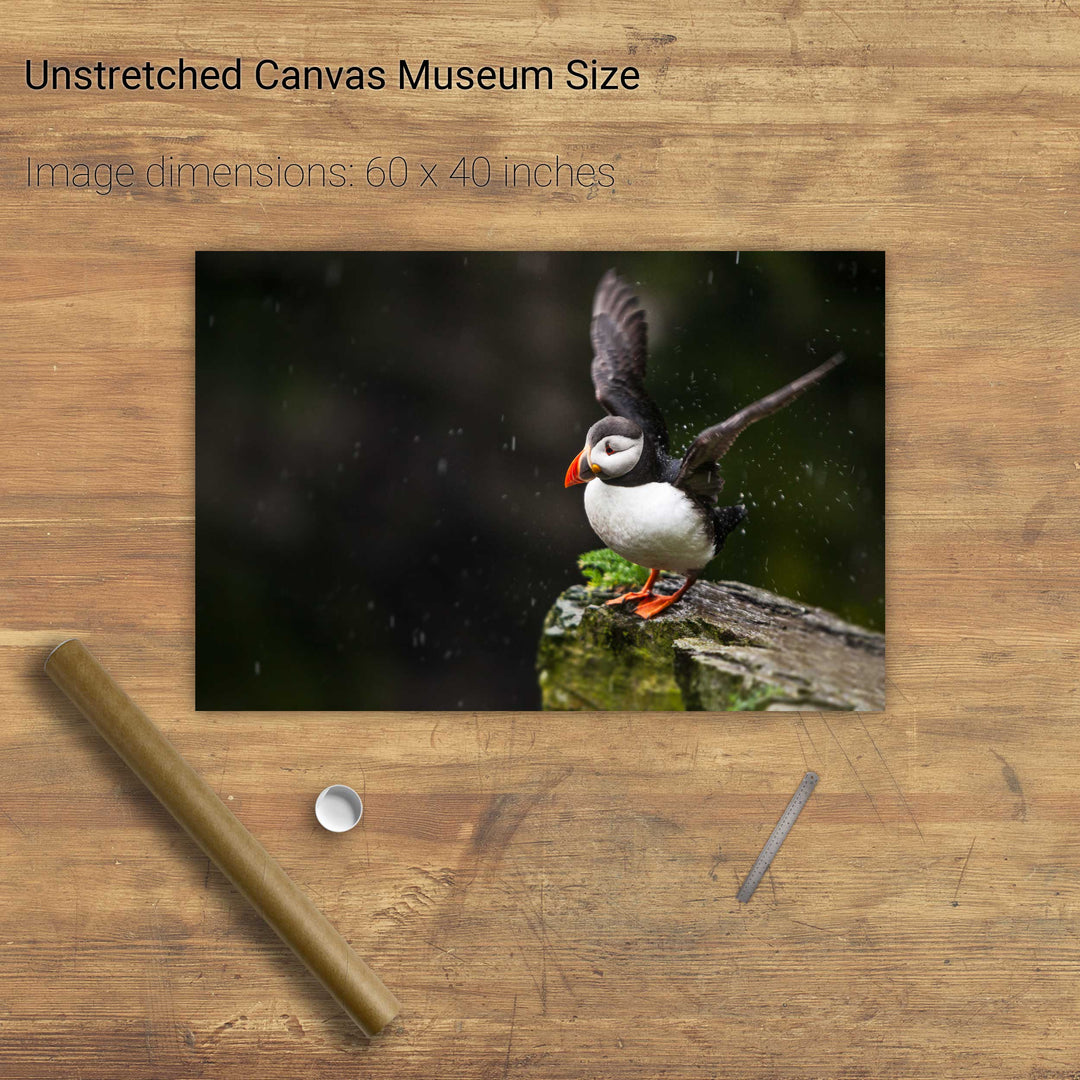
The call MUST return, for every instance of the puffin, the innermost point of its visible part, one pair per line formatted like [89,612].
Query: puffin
[650,507]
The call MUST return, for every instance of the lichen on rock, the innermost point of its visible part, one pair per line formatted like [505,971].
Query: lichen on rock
[726,646]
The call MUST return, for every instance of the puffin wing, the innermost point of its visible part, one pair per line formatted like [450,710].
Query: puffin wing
[619,340]
[698,473]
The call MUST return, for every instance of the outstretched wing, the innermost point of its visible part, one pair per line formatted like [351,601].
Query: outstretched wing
[698,472]
[620,349]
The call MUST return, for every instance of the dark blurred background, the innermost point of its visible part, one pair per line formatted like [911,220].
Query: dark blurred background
[381,442]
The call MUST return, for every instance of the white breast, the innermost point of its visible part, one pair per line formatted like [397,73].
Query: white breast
[653,525]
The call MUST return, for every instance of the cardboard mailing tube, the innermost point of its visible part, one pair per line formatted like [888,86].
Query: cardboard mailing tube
[243,860]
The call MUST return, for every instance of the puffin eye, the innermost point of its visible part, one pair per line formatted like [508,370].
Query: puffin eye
[607,447]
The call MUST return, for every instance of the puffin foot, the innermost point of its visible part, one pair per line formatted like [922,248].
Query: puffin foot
[642,594]
[661,603]
[654,606]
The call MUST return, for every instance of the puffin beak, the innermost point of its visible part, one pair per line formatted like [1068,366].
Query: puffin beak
[580,472]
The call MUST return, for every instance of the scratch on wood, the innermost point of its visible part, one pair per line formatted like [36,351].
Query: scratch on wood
[851,766]
[14,822]
[77,934]
[221,779]
[540,990]
[1035,522]
[220,1030]
[960,880]
[439,948]
[416,898]
[799,922]
[1012,782]
[636,39]
[538,926]
[892,683]
[850,28]
[544,946]
[809,737]
[510,1041]
[504,816]
[161,1028]
[720,857]
[802,749]
[899,790]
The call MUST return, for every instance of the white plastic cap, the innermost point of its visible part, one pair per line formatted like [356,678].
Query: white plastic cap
[338,808]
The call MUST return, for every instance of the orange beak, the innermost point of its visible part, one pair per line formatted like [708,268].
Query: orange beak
[578,466]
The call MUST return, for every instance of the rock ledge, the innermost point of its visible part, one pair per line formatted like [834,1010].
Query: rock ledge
[726,646]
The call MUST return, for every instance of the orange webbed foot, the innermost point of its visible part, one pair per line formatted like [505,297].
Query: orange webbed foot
[661,603]
[645,593]
[654,606]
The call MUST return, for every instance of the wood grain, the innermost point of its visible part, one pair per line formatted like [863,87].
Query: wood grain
[553,896]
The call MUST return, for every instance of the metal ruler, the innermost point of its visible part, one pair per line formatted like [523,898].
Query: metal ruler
[772,845]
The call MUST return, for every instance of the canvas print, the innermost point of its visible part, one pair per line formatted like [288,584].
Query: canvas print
[521,480]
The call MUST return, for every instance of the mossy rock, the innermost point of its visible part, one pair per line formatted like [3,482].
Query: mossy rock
[725,646]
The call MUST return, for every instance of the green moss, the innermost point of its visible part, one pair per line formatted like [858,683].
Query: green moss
[588,660]
[757,699]
[604,569]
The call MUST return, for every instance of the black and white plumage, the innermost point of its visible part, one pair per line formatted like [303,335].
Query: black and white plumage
[652,508]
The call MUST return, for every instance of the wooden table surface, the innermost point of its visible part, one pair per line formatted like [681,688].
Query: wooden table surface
[553,895]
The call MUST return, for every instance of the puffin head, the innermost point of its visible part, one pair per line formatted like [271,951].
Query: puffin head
[613,447]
